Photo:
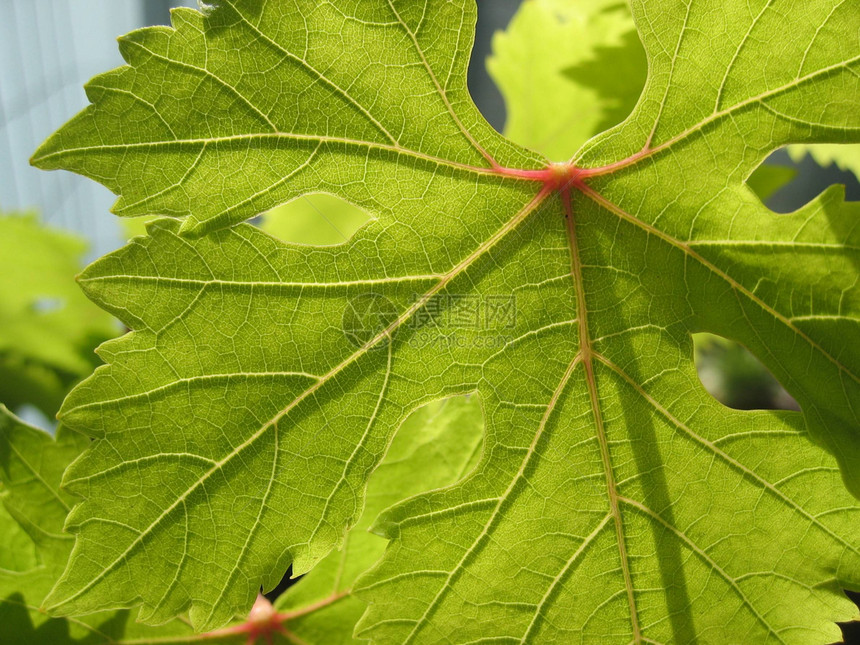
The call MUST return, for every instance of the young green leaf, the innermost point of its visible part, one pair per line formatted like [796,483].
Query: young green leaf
[239,423]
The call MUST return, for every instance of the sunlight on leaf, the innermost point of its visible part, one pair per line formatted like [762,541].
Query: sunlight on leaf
[615,501]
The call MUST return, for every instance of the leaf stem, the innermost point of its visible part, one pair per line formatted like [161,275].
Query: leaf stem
[264,622]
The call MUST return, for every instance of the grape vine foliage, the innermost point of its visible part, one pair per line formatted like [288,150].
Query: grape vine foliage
[611,500]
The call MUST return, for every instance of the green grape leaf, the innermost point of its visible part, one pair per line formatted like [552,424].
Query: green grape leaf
[615,500]
[324,126]
[47,327]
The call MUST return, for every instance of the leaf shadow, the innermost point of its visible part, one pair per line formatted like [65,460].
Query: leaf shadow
[18,627]
[642,434]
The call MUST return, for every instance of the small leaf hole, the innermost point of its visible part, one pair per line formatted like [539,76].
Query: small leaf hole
[736,378]
[318,219]
[286,582]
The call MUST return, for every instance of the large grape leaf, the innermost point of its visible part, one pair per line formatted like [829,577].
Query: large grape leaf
[615,501]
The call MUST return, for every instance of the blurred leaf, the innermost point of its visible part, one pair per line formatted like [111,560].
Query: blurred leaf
[736,378]
[529,63]
[846,157]
[48,328]
[617,74]
[17,551]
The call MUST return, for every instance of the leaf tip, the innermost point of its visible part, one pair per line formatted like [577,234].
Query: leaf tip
[53,603]
[385,527]
[40,156]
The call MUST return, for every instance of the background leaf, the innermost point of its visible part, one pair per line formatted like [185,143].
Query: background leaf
[47,327]
[846,157]
[547,112]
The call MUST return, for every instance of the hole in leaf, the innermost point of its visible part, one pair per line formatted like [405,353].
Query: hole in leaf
[493,17]
[736,378]
[286,582]
[318,219]
[36,417]
[792,177]
[770,177]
